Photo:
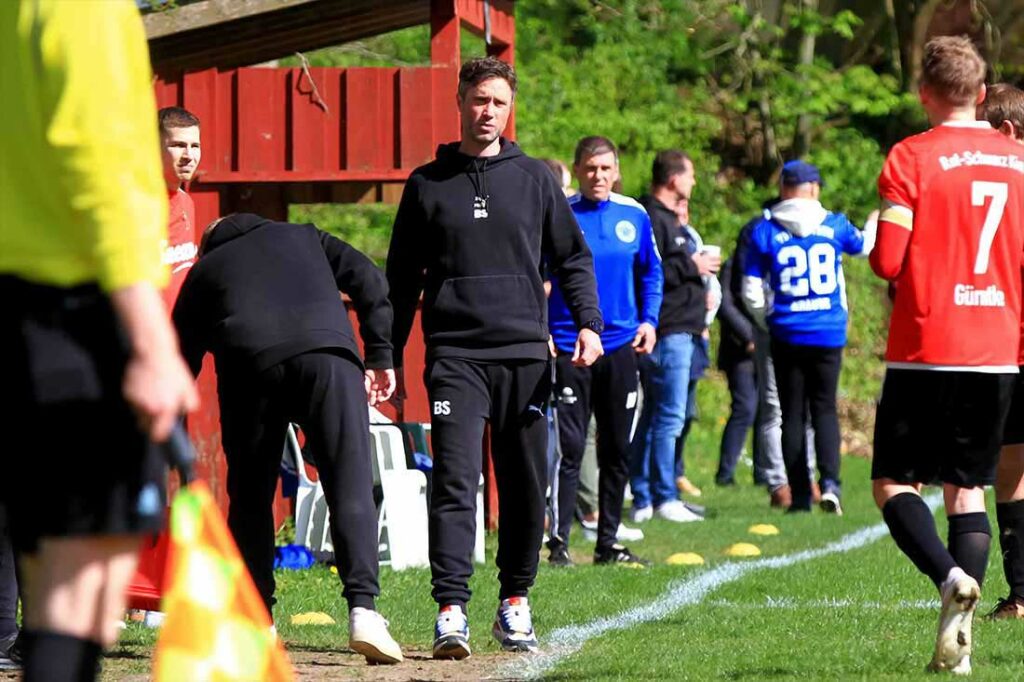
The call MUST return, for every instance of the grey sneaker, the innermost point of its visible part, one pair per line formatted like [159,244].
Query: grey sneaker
[10,655]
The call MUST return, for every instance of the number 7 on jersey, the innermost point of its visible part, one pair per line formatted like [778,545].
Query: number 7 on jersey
[997,191]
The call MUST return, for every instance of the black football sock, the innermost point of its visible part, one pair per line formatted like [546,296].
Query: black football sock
[969,538]
[51,657]
[912,526]
[1010,517]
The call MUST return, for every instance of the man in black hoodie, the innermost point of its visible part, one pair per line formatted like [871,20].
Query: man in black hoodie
[474,230]
[263,299]
[665,373]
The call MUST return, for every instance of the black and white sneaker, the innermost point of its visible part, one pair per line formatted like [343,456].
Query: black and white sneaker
[451,634]
[617,554]
[830,503]
[513,626]
[560,556]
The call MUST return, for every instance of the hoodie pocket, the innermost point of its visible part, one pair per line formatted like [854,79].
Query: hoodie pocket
[487,310]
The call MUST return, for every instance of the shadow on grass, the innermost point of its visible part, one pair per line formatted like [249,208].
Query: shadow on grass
[128,654]
[759,673]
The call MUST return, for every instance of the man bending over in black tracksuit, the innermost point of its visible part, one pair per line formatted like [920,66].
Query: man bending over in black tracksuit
[474,230]
[263,298]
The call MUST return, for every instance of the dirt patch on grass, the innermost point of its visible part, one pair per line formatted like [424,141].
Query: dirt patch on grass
[317,665]
[418,665]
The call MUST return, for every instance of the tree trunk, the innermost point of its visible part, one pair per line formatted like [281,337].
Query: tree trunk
[805,57]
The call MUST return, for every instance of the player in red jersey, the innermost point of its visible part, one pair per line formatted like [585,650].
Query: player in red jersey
[180,151]
[951,239]
[1003,108]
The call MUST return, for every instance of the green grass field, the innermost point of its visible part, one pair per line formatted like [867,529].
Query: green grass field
[865,614]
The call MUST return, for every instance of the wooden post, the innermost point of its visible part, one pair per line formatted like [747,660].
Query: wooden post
[445,60]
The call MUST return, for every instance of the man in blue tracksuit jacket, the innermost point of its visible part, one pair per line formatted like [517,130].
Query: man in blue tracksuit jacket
[629,287]
[795,254]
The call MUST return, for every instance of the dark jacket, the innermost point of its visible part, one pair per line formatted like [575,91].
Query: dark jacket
[263,292]
[737,328]
[684,304]
[734,283]
[474,235]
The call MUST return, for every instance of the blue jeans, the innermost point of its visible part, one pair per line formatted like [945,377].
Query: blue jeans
[665,376]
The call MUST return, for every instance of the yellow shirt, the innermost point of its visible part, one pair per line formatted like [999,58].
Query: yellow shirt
[82,196]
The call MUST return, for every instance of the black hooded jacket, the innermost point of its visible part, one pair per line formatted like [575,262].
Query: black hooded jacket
[474,235]
[263,292]
[683,305]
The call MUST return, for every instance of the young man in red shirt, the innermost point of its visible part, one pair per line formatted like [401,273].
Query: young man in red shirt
[951,240]
[1003,108]
[180,151]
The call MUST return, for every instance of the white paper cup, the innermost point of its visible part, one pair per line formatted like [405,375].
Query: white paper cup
[712,250]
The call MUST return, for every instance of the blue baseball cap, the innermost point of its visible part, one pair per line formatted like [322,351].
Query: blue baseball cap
[799,172]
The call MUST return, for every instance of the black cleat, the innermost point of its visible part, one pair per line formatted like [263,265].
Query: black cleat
[617,554]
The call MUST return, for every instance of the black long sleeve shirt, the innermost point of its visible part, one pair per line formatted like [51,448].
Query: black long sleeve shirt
[265,291]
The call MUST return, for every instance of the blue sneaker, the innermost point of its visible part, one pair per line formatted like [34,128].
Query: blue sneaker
[451,634]
[513,626]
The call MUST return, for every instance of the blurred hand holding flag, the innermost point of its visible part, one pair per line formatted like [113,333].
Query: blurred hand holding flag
[216,628]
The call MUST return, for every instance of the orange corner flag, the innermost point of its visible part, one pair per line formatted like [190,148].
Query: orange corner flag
[217,628]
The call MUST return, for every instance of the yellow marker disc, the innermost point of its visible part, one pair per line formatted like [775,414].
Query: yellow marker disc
[312,618]
[334,570]
[743,549]
[685,559]
[763,529]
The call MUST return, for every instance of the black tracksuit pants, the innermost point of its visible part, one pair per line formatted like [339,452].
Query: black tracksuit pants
[323,392]
[464,396]
[808,378]
[608,390]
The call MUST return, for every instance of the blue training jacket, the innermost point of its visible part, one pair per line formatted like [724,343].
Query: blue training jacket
[798,253]
[627,265]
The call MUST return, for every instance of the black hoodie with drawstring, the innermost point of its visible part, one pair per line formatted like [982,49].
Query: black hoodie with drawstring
[264,291]
[474,235]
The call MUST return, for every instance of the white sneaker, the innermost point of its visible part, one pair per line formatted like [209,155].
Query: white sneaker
[623,534]
[960,595]
[641,514]
[627,534]
[676,511]
[451,634]
[513,626]
[368,635]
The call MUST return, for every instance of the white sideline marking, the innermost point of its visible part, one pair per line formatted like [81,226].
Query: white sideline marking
[788,603]
[567,640]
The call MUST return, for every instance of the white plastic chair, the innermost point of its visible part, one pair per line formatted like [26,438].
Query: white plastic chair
[311,517]
[402,516]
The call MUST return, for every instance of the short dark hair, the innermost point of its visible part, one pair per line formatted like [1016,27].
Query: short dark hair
[668,162]
[592,145]
[176,117]
[476,71]
[953,69]
[1004,102]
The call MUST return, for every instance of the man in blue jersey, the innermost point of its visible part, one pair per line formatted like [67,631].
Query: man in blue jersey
[795,254]
[629,286]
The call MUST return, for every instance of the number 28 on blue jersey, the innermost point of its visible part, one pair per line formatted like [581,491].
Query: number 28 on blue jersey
[804,275]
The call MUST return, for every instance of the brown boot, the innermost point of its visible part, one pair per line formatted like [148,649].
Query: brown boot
[1007,609]
[782,497]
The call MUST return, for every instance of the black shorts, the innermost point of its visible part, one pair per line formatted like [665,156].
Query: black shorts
[1013,432]
[74,461]
[936,426]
